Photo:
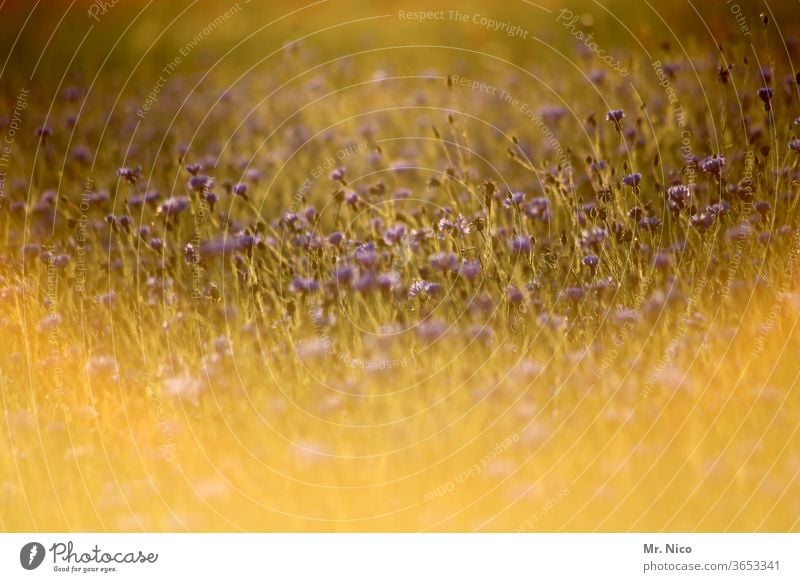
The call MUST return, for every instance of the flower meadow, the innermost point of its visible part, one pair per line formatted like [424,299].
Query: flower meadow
[361,267]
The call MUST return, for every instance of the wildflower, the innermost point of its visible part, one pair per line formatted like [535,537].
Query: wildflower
[762,207]
[60,261]
[394,234]
[338,174]
[712,165]
[632,180]
[538,209]
[738,233]
[677,196]
[765,94]
[44,132]
[81,154]
[200,183]
[173,206]
[240,190]
[701,221]
[366,255]
[443,261]
[304,285]
[431,330]
[650,223]
[623,316]
[365,282]
[190,254]
[351,198]
[335,239]
[156,244]
[469,270]
[129,174]
[662,261]
[794,144]
[514,295]
[574,294]
[417,287]
[520,244]
[591,261]
[388,281]
[460,225]
[593,238]
[218,247]
[615,116]
[720,208]
[514,199]
[193,169]
[343,274]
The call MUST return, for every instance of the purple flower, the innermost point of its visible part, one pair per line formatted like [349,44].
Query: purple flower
[420,286]
[662,261]
[240,189]
[81,154]
[720,208]
[762,207]
[200,183]
[173,206]
[702,221]
[129,174]
[60,261]
[514,199]
[679,193]
[335,239]
[343,274]
[591,261]
[632,179]
[365,282]
[338,174]
[765,94]
[592,238]
[615,116]
[574,294]
[520,244]
[515,295]
[303,285]
[218,247]
[650,223]
[443,261]
[712,165]
[794,144]
[431,330]
[388,281]
[469,270]
[394,234]
[366,255]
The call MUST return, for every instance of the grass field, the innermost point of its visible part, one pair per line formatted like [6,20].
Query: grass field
[348,267]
